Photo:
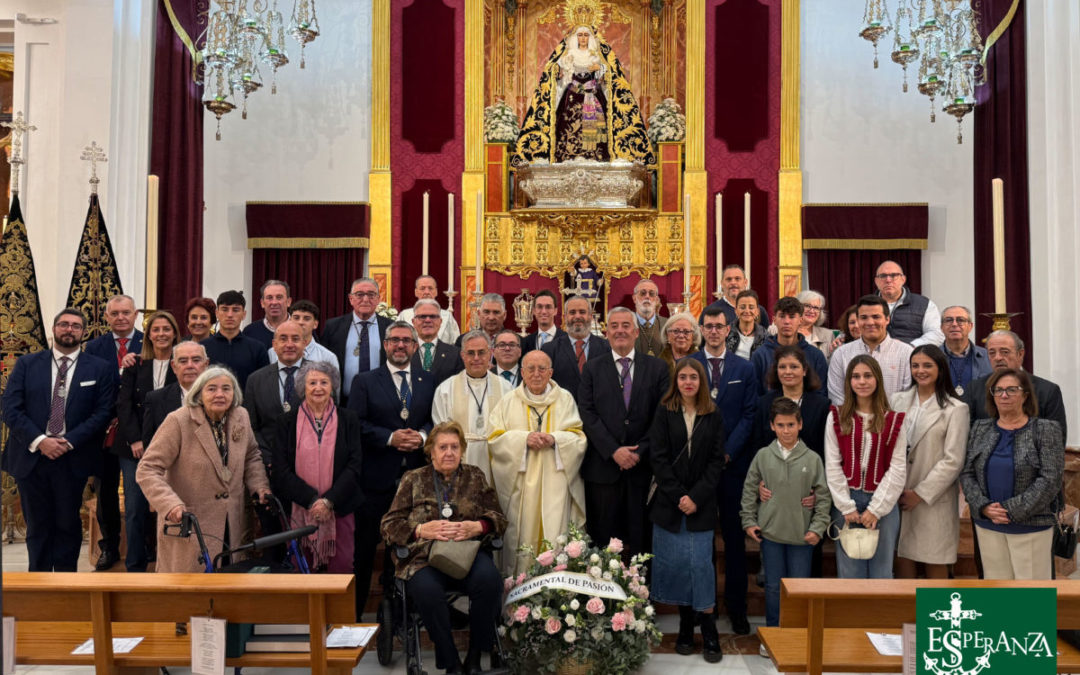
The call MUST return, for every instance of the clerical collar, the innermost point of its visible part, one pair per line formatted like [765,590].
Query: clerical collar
[537,397]
[475,379]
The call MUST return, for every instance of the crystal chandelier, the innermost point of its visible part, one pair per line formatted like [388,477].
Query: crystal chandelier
[240,35]
[943,37]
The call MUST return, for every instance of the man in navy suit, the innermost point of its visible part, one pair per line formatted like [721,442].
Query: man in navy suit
[119,346]
[570,351]
[544,311]
[356,338]
[393,402]
[617,400]
[439,358]
[507,350]
[57,405]
[734,389]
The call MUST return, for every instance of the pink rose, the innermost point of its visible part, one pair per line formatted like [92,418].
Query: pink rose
[618,622]
[575,548]
[629,614]
[520,579]
[553,626]
[508,583]
[594,606]
[633,571]
[521,614]
[642,592]
[560,568]
[545,558]
[615,545]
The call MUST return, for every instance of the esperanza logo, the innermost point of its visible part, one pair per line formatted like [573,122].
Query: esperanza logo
[965,631]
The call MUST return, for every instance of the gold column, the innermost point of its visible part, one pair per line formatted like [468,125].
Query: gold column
[695,179]
[380,254]
[472,181]
[790,183]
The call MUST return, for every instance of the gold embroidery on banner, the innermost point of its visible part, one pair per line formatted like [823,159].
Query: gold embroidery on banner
[95,278]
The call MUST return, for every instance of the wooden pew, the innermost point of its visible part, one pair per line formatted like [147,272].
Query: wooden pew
[823,622]
[55,612]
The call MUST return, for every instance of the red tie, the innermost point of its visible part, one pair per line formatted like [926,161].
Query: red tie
[579,349]
[121,351]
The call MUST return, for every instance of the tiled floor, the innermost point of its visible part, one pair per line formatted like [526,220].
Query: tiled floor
[14,560]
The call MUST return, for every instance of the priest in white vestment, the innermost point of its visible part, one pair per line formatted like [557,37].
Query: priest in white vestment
[468,398]
[536,447]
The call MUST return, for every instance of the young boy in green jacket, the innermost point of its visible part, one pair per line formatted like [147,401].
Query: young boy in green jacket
[786,530]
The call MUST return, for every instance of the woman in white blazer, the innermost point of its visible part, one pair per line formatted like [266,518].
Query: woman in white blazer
[937,428]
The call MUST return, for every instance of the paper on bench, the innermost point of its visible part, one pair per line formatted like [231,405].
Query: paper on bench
[887,644]
[119,646]
[9,645]
[350,636]
[207,646]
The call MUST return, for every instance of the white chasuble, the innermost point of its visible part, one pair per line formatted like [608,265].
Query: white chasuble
[540,491]
[468,401]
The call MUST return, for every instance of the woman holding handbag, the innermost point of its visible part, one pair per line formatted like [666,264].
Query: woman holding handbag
[865,465]
[687,441]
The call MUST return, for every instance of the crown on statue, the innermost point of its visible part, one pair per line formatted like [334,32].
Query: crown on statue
[582,12]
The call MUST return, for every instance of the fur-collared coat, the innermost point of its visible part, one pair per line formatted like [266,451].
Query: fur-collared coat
[183,466]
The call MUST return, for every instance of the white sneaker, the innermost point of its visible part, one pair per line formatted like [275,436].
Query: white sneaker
[764,652]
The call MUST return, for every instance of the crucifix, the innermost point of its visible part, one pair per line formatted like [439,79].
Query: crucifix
[93,154]
[18,127]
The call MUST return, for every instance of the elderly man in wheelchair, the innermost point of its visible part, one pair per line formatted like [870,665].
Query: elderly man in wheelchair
[441,516]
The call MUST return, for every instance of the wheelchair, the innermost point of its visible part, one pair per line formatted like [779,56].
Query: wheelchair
[398,618]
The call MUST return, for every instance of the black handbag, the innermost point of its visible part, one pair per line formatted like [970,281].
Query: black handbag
[1064,545]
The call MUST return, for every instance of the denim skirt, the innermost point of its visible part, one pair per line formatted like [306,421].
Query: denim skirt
[683,572]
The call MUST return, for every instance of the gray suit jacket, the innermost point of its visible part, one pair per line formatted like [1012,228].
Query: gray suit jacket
[263,402]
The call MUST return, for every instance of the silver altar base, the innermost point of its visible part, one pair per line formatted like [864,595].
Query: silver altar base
[582,183]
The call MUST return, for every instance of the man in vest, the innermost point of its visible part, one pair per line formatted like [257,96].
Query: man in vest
[913,318]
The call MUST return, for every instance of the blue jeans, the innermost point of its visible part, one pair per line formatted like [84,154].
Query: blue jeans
[136,515]
[780,561]
[881,565]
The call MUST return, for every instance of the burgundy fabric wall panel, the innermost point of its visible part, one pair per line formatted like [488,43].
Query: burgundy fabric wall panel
[845,276]
[1000,140]
[427,57]
[412,253]
[734,211]
[307,220]
[742,52]
[320,275]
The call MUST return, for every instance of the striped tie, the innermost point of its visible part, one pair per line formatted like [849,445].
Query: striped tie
[56,409]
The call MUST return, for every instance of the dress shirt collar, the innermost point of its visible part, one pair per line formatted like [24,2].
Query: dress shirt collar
[618,358]
[357,320]
[951,353]
[513,370]
[394,370]
[642,321]
[283,366]
[57,355]
[709,355]
[129,336]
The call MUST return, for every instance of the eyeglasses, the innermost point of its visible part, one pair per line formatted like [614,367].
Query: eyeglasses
[426,317]
[535,369]
[184,360]
[1000,392]
[959,320]
[680,332]
[507,345]
[709,327]
[647,294]
[476,354]
[399,340]
[812,308]
[360,295]
[69,325]
[889,276]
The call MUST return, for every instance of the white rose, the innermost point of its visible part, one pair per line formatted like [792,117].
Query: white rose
[536,613]
[639,626]
[607,576]
[649,611]
[561,540]
[574,604]
[562,559]
[614,563]
[597,633]
[594,571]
[569,635]
[594,558]
[502,631]
[570,620]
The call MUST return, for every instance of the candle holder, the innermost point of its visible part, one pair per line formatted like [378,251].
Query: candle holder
[686,300]
[674,308]
[450,295]
[474,310]
[1000,321]
[718,294]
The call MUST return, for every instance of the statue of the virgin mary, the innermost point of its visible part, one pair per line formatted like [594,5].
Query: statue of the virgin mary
[583,108]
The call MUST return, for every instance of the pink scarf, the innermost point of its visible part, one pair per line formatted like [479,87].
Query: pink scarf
[315,466]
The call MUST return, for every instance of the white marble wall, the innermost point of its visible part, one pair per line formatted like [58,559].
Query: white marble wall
[1053,49]
[309,142]
[863,140]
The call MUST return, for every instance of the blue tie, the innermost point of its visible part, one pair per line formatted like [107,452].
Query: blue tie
[405,393]
[364,357]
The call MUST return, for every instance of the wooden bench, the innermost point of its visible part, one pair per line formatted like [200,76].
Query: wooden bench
[55,612]
[823,622]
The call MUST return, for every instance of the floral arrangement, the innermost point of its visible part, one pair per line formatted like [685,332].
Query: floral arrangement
[386,310]
[667,122]
[500,123]
[557,627]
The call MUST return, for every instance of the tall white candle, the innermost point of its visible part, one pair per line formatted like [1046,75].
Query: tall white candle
[998,191]
[746,235]
[427,238]
[479,234]
[152,200]
[686,243]
[450,247]
[719,218]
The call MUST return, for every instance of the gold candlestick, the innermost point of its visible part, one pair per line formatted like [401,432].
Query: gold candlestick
[1000,321]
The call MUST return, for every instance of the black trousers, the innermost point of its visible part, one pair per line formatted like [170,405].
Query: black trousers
[366,538]
[618,510]
[107,487]
[735,570]
[51,497]
[427,590]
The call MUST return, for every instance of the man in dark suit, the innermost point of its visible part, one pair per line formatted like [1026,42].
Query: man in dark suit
[188,362]
[1006,350]
[357,337]
[57,405]
[544,311]
[733,386]
[393,402]
[617,399]
[270,392]
[507,348]
[570,352]
[120,346]
[432,354]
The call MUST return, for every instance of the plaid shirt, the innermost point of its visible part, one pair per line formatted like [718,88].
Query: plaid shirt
[892,355]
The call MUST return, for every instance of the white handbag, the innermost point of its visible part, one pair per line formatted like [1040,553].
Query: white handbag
[859,543]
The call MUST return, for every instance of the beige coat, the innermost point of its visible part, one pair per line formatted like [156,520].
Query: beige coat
[182,466]
[937,441]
